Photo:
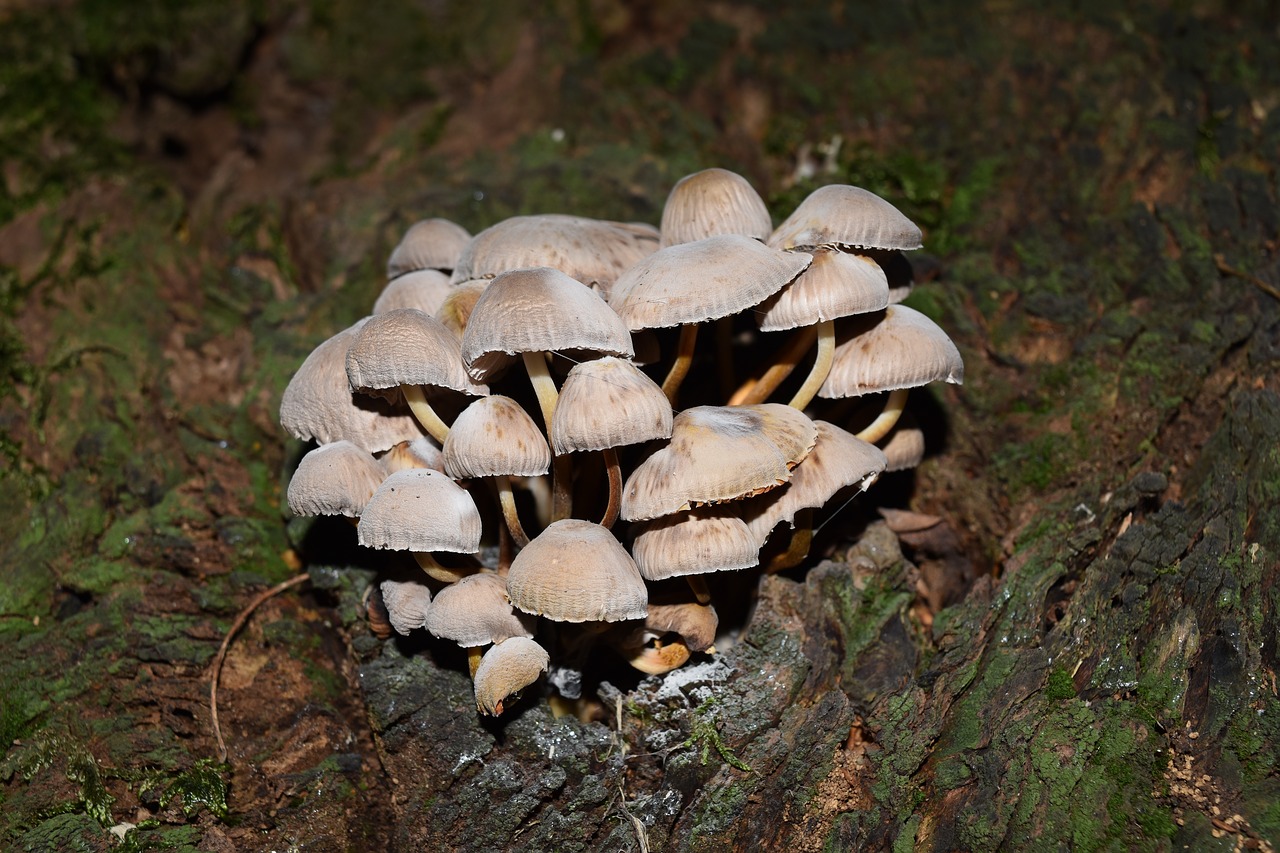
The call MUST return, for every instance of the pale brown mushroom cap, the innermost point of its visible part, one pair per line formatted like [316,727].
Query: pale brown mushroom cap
[432,244]
[843,215]
[319,404]
[456,309]
[904,447]
[421,509]
[538,310]
[608,402]
[695,623]
[592,251]
[576,571]
[408,604]
[900,348]
[701,281]
[407,347]
[475,612]
[334,479]
[495,436]
[712,202]
[719,453]
[505,670]
[836,284]
[694,542]
[422,289]
[838,459]
[419,453]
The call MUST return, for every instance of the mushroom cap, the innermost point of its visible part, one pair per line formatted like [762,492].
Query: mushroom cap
[456,309]
[475,612]
[836,284]
[711,202]
[703,280]
[838,459]
[406,346]
[421,289]
[334,479]
[576,571]
[408,604]
[608,402]
[494,436]
[592,251]
[719,453]
[904,447]
[843,215]
[506,669]
[538,310]
[898,271]
[695,623]
[419,453]
[432,244]
[421,509]
[318,403]
[694,542]
[900,348]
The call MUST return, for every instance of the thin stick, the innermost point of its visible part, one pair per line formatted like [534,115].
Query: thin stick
[226,644]
[1226,270]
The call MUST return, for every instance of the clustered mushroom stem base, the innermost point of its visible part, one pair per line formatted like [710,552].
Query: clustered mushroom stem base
[417,400]
[885,422]
[758,390]
[509,514]
[684,358]
[821,365]
[561,469]
[614,470]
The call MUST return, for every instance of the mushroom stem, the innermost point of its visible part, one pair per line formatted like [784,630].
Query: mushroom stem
[509,514]
[821,365]
[504,550]
[757,391]
[417,400]
[699,587]
[724,354]
[684,357]
[444,574]
[881,426]
[474,653]
[615,488]
[798,549]
[562,472]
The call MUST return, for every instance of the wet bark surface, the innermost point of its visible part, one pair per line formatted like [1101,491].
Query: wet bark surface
[1060,632]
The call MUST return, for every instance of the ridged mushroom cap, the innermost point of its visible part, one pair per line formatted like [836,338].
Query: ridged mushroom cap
[694,542]
[608,402]
[695,623]
[408,604]
[713,202]
[576,571]
[900,348]
[334,479]
[701,281]
[421,289]
[538,310]
[432,244]
[421,510]
[318,403]
[838,459]
[904,447]
[495,436]
[475,612]
[505,670]
[407,347]
[456,309]
[842,215]
[719,453]
[836,284]
[419,453]
[592,251]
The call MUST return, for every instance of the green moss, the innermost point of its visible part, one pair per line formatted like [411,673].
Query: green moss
[1059,686]
[200,788]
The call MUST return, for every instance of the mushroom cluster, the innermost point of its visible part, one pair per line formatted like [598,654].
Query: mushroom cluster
[508,416]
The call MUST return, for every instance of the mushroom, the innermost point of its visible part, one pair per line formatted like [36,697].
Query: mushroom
[407,349]
[455,310]
[576,571]
[649,646]
[691,283]
[422,510]
[694,542]
[422,289]
[846,216]
[506,669]
[431,244]
[712,202]
[408,604]
[334,479]
[419,453]
[475,612]
[904,446]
